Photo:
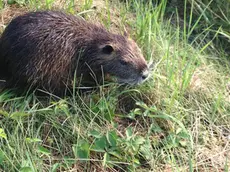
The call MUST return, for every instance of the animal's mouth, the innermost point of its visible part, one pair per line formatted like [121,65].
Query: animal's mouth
[135,80]
[130,81]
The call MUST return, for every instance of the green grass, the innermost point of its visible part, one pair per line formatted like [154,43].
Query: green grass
[179,120]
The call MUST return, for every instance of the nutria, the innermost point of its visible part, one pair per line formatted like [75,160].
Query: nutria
[47,49]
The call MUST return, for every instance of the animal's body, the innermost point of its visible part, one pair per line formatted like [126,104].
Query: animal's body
[47,49]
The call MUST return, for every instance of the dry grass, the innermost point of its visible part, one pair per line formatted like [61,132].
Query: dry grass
[8,13]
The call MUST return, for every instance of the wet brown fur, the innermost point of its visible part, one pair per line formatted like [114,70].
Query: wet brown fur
[45,49]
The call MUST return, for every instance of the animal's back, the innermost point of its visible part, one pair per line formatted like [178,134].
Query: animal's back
[48,42]
[46,49]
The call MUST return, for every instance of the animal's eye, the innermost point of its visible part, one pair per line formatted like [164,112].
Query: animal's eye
[107,49]
[123,62]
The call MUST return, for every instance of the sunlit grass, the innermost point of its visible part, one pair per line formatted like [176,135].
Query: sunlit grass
[178,120]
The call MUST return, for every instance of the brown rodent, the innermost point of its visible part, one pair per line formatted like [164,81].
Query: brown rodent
[47,49]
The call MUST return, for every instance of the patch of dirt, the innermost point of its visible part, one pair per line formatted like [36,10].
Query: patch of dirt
[207,78]
[197,82]
[99,4]
[214,158]
[101,13]
[111,16]
[227,93]
[10,12]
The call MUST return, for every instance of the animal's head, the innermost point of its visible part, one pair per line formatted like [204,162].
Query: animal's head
[122,58]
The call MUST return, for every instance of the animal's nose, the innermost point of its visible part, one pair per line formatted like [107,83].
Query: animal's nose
[145,74]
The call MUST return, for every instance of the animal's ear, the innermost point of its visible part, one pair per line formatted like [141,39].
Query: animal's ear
[107,49]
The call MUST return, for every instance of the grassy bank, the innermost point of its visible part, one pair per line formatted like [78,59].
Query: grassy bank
[179,120]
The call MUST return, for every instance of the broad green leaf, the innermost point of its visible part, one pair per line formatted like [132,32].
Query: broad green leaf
[129,132]
[142,104]
[2,134]
[116,154]
[10,2]
[137,111]
[146,150]
[112,138]
[81,150]
[82,154]
[43,150]
[135,148]
[25,169]
[95,134]
[33,140]
[155,128]
[100,144]
[139,140]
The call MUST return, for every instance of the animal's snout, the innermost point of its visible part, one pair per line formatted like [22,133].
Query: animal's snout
[145,74]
